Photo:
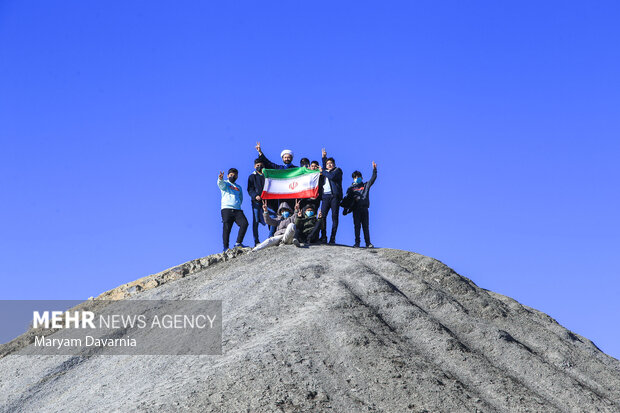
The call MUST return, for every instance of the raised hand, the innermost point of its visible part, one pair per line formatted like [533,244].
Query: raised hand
[297,204]
[221,175]
[323,153]
[299,213]
[374,165]
[258,149]
[265,205]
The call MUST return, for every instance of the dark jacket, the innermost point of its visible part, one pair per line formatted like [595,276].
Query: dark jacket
[256,182]
[358,195]
[270,165]
[305,225]
[335,180]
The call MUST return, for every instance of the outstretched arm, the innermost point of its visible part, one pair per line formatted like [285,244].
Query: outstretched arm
[220,181]
[373,178]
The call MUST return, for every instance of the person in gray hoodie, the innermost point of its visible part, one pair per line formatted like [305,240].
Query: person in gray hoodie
[284,223]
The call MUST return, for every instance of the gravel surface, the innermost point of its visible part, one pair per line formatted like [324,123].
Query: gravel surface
[331,328]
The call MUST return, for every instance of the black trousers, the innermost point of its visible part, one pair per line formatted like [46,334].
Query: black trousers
[330,203]
[230,216]
[310,238]
[360,219]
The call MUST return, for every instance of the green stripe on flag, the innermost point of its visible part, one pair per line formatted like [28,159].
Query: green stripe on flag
[287,173]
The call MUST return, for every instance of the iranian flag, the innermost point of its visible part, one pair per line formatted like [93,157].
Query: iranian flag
[290,183]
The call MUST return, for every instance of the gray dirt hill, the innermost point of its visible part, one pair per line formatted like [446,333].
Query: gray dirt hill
[331,328]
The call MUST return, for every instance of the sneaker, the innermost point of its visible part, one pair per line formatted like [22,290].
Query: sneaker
[256,243]
[356,245]
[240,245]
[296,242]
[369,246]
[332,241]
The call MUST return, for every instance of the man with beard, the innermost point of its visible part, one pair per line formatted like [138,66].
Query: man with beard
[286,155]
[232,197]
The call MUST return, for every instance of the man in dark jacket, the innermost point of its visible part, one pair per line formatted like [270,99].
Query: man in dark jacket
[332,194]
[286,155]
[256,182]
[307,226]
[357,201]
[315,202]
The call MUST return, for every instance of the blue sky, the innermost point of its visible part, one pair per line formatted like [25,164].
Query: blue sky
[494,124]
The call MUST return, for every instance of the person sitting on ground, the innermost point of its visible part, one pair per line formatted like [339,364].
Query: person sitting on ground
[232,197]
[286,155]
[357,201]
[285,226]
[307,226]
[332,194]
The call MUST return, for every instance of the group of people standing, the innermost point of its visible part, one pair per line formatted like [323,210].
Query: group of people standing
[306,222]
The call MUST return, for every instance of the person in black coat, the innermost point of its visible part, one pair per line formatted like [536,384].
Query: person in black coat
[256,182]
[332,194]
[286,155]
[357,201]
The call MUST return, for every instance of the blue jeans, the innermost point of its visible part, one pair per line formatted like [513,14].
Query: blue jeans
[257,218]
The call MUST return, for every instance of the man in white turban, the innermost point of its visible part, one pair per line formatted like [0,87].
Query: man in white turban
[286,155]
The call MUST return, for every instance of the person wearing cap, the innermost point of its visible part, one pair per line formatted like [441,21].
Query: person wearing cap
[307,226]
[286,155]
[232,197]
[284,222]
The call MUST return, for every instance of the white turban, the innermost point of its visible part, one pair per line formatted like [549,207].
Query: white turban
[286,151]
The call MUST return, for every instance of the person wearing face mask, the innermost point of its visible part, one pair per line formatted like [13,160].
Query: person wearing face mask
[357,201]
[232,197]
[286,155]
[308,225]
[284,223]
[256,181]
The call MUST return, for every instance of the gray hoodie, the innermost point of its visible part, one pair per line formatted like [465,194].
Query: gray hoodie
[280,221]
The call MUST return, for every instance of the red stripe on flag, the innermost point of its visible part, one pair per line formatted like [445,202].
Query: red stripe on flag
[308,193]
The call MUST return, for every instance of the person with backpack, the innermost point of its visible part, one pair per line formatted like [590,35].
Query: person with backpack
[357,200]
[331,194]
[232,197]
[284,223]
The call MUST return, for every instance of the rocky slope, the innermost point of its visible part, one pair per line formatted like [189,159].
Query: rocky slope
[331,328]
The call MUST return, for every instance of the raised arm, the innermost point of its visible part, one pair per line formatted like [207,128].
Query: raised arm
[268,164]
[220,181]
[373,178]
[268,219]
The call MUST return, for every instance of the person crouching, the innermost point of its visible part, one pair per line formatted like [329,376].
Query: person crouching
[284,223]
[307,226]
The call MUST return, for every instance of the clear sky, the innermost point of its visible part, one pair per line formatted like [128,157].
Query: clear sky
[495,127]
